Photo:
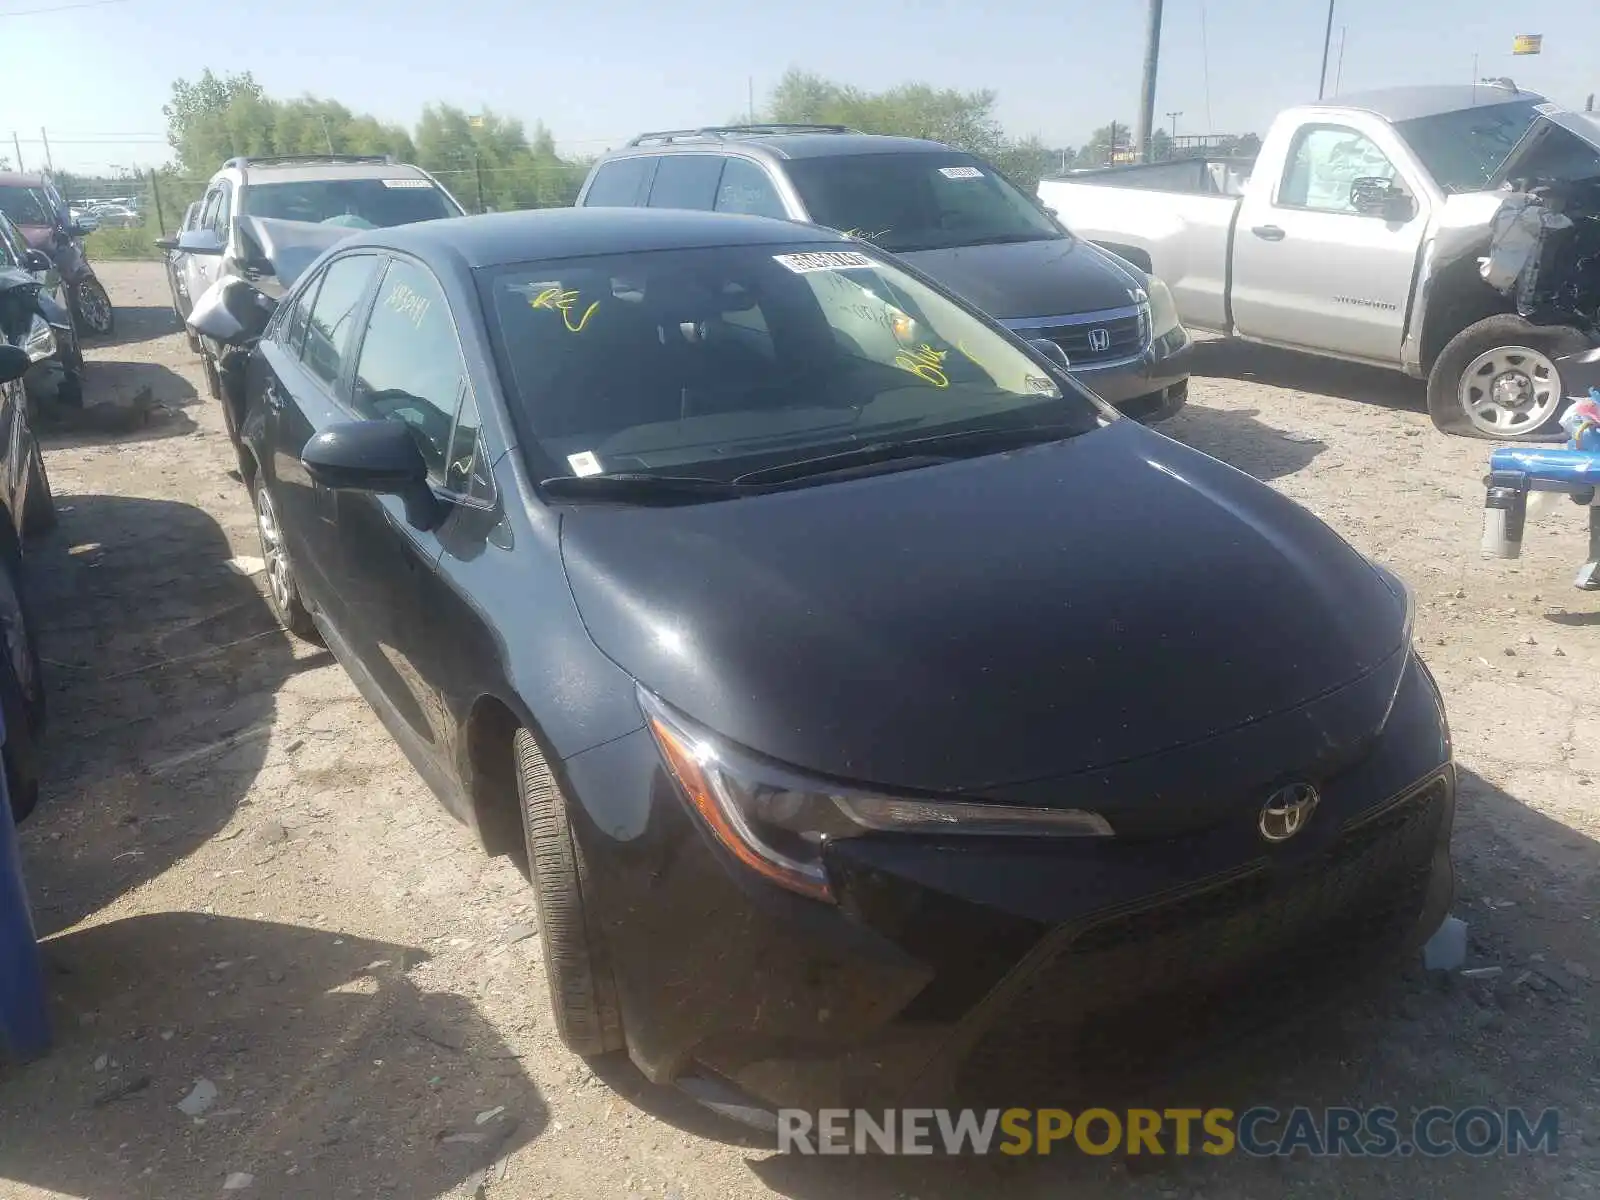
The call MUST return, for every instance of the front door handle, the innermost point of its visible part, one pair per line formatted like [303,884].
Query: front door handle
[1268,233]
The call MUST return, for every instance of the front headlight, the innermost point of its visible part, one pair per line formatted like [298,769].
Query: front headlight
[778,823]
[1163,309]
[41,343]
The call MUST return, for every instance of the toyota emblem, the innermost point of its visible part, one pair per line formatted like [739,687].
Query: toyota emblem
[1099,340]
[1286,811]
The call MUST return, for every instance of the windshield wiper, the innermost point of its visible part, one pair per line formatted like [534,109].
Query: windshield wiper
[940,447]
[1004,239]
[640,488]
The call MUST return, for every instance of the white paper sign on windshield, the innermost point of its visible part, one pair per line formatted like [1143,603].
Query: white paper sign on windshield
[961,172]
[825,260]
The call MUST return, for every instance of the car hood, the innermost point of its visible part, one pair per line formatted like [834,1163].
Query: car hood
[991,621]
[1030,279]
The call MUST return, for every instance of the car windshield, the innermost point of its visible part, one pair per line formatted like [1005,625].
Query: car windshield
[715,362]
[24,205]
[1463,149]
[358,203]
[920,201]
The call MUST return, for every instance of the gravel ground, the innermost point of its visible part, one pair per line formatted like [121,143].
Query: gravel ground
[242,882]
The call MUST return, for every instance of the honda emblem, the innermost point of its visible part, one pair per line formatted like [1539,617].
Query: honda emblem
[1099,340]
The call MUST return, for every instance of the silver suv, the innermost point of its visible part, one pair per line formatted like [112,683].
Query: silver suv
[949,214]
[341,190]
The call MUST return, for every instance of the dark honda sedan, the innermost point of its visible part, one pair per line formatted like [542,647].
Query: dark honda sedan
[855,685]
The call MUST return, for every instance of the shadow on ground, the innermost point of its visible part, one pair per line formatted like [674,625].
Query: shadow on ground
[335,1073]
[123,402]
[1407,1039]
[1223,358]
[162,665]
[138,323]
[1239,438]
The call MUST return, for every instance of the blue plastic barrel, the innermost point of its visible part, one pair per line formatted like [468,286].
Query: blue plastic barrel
[24,1021]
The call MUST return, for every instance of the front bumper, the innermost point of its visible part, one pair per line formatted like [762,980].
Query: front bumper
[946,959]
[1149,389]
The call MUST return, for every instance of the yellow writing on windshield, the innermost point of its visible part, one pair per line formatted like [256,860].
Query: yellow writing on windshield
[864,234]
[565,301]
[407,303]
[926,363]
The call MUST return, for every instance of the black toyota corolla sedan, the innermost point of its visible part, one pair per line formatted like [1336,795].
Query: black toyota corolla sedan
[856,686]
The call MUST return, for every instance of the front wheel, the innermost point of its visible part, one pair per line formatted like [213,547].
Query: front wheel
[582,991]
[39,507]
[93,307]
[1498,379]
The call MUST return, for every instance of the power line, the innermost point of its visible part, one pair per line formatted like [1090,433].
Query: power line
[33,12]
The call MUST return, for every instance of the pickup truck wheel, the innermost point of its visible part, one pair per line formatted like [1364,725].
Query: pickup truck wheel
[1498,379]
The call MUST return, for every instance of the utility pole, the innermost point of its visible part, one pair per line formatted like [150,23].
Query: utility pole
[1588,105]
[750,98]
[49,163]
[1327,39]
[326,136]
[1338,71]
[1147,93]
[477,171]
[17,146]
[1173,117]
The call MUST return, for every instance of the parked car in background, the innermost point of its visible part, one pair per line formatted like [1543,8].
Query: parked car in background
[811,638]
[83,218]
[56,376]
[177,275]
[339,191]
[117,216]
[951,215]
[1357,233]
[26,510]
[37,209]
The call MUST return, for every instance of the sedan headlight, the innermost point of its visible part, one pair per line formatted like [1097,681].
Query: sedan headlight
[777,822]
[41,342]
[1163,309]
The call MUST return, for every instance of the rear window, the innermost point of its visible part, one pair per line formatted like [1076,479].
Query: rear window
[710,361]
[619,184]
[356,203]
[920,201]
[686,181]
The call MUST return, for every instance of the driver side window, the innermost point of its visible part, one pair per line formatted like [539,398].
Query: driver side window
[410,369]
[1324,162]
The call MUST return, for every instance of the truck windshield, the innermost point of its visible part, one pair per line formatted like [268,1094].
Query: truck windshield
[1463,149]
[921,201]
[24,205]
[360,203]
[715,362]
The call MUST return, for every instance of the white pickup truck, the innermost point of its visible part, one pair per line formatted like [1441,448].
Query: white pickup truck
[1363,231]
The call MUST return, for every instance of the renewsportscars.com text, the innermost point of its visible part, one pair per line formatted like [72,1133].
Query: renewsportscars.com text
[1260,1132]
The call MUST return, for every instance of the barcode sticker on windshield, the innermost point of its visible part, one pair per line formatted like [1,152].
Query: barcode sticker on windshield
[407,183]
[961,172]
[824,260]
[584,463]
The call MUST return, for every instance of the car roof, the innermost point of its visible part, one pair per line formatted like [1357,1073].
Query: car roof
[498,239]
[795,145]
[284,172]
[1409,103]
[20,179]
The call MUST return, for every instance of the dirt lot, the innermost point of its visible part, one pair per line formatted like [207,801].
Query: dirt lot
[242,881]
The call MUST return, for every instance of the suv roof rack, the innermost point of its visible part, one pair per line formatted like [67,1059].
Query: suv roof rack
[721,133]
[261,160]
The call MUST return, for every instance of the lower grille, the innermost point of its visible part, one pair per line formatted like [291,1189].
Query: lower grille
[1139,990]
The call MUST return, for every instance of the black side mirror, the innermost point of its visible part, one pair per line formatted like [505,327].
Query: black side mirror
[167,243]
[1374,196]
[1051,351]
[14,362]
[78,231]
[37,260]
[374,456]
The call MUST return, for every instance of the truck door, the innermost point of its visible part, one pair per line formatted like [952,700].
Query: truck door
[1312,272]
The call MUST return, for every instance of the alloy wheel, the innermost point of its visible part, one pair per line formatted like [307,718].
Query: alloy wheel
[1510,391]
[279,578]
[94,306]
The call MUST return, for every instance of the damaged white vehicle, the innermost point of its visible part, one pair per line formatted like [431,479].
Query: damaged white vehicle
[1452,233]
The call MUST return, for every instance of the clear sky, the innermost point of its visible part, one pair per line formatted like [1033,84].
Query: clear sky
[597,72]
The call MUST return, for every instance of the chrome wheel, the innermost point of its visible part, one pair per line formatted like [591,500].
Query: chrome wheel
[15,640]
[94,306]
[279,578]
[1510,391]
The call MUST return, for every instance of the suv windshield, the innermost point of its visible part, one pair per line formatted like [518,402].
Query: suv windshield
[358,203]
[25,205]
[920,201]
[1462,149]
[716,362]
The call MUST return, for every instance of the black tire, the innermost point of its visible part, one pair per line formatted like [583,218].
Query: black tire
[21,755]
[582,991]
[1448,407]
[39,514]
[28,674]
[283,591]
[93,309]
